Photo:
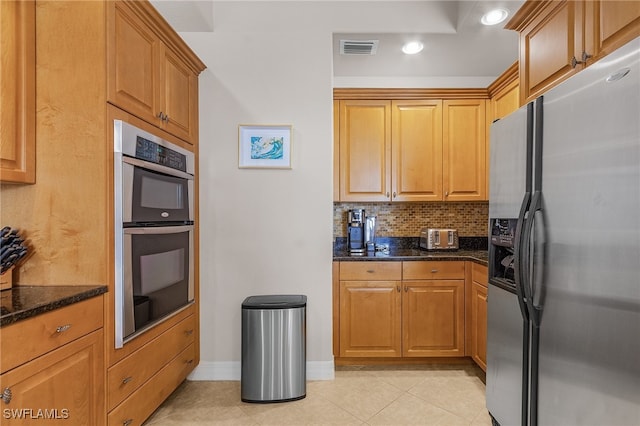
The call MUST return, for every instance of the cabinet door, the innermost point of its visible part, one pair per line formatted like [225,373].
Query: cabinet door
[336,150]
[178,96]
[416,150]
[464,150]
[365,150]
[479,324]
[609,25]
[65,386]
[547,46]
[433,318]
[17,91]
[505,102]
[132,60]
[370,319]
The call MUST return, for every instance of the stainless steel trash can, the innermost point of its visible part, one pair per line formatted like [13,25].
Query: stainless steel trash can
[274,348]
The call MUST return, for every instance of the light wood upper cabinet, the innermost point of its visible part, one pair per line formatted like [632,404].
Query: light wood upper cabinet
[147,78]
[412,150]
[416,150]
[504,94]
[17,91]
[560,38]
[464,150]
[365,150]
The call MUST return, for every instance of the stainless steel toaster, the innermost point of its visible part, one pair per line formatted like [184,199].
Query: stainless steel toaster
[438,239]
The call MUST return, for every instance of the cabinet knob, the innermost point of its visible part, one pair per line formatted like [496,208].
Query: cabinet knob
[446,193]
[585,57]
[127,380]
[6,395]
[189,332]
[394,194]
[387,194]
[398,288]
[63,328]
[434,271]
[406,289]
[127,422]
[189,361]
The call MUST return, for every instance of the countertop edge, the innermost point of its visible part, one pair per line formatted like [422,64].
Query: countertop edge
[84,293]
[480,258]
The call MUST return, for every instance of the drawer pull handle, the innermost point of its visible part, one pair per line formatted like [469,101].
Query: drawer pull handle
[63,328]
[398,288]
[6,395]
[370,271]
[190,361]
[434,271]
[127,422]
[189,332]
[127,380]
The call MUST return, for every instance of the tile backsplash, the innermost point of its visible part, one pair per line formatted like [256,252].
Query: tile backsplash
[407,219]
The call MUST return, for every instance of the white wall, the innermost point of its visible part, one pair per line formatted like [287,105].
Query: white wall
[270,231]
[264,231]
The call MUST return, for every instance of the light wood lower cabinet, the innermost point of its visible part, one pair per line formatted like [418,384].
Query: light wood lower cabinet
[433,318]
[53,367]
[478,321]
[401,309]
[370,309]
[433,308]
[139,383]
[143,402]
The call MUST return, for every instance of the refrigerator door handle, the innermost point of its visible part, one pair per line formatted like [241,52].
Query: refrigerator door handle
[517,255]
[526,258]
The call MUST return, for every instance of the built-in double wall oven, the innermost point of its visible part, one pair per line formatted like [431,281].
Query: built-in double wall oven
[154,230]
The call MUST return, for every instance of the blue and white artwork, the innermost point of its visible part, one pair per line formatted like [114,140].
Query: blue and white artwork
[264,146]
[267,148]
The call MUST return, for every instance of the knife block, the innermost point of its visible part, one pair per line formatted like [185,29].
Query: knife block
[6,279]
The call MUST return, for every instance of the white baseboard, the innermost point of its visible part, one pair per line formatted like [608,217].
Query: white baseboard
[231,370]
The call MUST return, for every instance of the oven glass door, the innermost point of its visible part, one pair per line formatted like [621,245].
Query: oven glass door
[158,275]
[153,196]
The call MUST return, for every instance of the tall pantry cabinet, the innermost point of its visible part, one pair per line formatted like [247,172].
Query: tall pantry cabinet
[97,61]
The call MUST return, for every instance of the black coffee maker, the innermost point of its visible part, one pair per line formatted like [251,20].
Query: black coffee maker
[355,228]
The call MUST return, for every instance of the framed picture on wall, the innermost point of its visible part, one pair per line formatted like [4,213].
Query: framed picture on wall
[264,146]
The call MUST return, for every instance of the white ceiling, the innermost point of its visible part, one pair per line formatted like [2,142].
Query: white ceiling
[456,44]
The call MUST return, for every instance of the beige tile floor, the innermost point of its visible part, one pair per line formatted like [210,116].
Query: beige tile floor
[400,395]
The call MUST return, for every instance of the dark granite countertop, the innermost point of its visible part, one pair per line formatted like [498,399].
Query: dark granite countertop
[22,302]
[406,249]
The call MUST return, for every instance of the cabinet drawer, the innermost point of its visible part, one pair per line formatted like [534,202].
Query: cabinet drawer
[432,270]
[28,339]
[137,407]
[130,373]
[479,274]
[354,271]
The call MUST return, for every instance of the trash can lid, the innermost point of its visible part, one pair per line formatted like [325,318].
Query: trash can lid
[275,301]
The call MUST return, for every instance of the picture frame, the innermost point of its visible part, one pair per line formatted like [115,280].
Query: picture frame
[264,146]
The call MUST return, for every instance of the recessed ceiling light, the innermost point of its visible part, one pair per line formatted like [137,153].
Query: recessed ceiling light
[494,16]
[412,47]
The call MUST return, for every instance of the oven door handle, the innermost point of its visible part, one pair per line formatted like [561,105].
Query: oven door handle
[158,230]
[156,168]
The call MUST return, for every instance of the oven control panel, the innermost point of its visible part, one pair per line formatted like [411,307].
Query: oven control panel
[155,153]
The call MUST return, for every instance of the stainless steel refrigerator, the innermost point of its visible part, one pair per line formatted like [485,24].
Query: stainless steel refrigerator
[563,344]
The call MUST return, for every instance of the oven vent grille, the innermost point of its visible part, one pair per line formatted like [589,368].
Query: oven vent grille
[358,47]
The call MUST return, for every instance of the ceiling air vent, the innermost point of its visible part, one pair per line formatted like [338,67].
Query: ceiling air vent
[358,47]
